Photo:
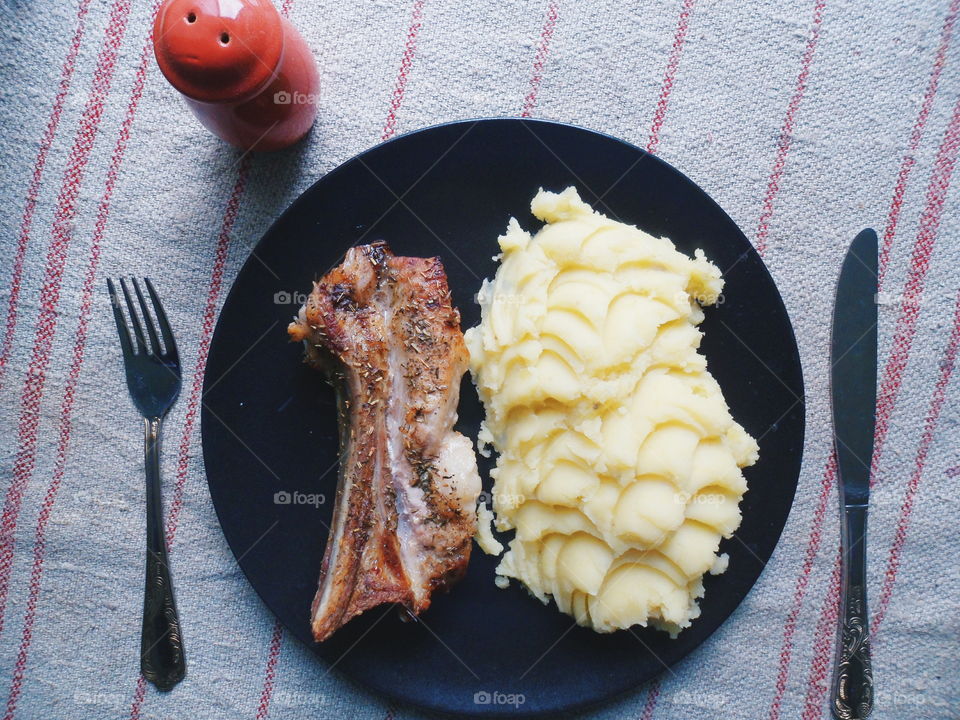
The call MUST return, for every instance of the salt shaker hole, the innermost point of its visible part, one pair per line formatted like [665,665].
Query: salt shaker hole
[224,38]
[192,18]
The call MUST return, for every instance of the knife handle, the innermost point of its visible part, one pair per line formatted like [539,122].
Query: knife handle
[852,694]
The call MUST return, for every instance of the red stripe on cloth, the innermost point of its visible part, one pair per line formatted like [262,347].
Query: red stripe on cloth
[35,381]
[786,131]
[947,364]
[659,115]
[406,63]
[823,648]
[830,470]
[276,643]
[33,189]
[540,59]
[206,332]
[912,294]
[899,355]
[909,158]
[276,639]
[273,657]
[196,385]
[666,87]
[69,395]
[653,694]
[803,580]
[138,697]
[389,128]
[826,627]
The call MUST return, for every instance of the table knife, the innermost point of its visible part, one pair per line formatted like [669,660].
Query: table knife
[854,397]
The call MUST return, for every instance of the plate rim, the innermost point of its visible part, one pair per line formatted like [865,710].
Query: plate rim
[795,360]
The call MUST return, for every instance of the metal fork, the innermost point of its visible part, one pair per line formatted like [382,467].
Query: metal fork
[153,379]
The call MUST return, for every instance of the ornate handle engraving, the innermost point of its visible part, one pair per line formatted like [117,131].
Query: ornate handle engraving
[852,697]
[853,663]
[161,644]
[162,660]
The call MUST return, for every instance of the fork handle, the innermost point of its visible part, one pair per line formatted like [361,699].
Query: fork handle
[162,661]
[852,694]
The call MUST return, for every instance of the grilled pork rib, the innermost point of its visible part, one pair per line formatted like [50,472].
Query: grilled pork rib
[384,330]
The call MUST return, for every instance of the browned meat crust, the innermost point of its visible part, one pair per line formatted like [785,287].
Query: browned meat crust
[384,330]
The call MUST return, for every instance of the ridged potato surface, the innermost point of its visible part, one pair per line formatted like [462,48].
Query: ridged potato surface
[619,464]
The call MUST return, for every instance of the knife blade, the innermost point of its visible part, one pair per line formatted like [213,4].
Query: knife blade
[854,367]
[854,398]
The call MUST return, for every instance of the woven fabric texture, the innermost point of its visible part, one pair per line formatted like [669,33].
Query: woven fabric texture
[807,120]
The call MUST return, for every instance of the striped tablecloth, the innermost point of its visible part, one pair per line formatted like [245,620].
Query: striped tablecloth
[805,119]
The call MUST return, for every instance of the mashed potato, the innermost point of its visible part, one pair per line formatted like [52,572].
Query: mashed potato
[619,464]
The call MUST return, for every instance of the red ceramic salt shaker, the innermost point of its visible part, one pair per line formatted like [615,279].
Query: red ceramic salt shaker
[245,71]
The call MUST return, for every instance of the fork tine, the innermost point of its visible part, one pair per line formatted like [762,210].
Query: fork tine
[122,330]
[134,320]
[169,343]
[147,320]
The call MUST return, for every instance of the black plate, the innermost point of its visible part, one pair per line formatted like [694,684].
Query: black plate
[269,424]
